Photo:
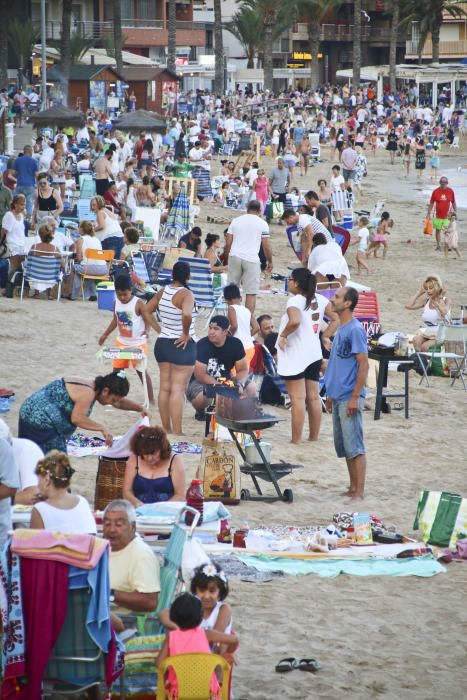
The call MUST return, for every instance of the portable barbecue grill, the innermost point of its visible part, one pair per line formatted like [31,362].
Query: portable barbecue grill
[246,416]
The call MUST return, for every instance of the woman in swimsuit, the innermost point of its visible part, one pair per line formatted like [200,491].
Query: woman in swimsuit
[153,474]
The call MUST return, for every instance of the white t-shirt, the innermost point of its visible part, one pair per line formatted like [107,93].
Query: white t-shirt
[27,455]
[15,236]
[303,346]
[74,521]
[243,331]
[247,231]
[363,235]
[336,182]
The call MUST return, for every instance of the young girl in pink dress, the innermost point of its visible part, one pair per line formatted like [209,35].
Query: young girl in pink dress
[189,638]
[261,189]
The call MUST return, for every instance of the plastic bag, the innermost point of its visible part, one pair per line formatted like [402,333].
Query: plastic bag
[192,557]
[428,227]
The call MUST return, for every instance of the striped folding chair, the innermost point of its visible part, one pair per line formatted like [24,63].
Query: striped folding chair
[201,284]
[87,186]
[43,269]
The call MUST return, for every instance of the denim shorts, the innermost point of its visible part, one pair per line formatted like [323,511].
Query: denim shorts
[348,430]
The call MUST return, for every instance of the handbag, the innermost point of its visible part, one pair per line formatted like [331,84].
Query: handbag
[277,210]
[441,518]
[428,227]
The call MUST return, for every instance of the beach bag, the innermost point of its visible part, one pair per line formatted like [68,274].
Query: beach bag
[428,227]
[441,518]
[277,209]
[109,481]
[220,471]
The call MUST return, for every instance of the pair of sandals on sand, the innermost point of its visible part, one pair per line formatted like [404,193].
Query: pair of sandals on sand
[291,664]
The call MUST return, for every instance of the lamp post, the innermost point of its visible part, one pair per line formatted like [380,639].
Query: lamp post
[43,58]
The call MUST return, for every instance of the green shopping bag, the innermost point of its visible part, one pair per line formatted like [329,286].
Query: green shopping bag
[441,518]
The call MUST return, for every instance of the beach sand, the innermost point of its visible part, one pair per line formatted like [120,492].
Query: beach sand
[376,637]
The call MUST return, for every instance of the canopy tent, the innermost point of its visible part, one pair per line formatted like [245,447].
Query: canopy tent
[141,120]
[58,116]
[434,73]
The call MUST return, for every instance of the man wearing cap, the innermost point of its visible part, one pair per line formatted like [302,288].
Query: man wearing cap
[443,201]
[218,356]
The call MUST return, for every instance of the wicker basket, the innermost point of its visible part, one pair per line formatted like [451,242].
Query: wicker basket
[109,481]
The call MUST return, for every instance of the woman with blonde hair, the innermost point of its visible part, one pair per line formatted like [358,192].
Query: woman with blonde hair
[60,510]
[86,241]
[431,297]
[45,247]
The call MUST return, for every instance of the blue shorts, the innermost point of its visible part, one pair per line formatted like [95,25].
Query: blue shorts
[348,430]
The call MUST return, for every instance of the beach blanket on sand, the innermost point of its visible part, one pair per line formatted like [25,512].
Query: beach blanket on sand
[420,566]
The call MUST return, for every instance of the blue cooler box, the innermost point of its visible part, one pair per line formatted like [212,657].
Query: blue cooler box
[105,296]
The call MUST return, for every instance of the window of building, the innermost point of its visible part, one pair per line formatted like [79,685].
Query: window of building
[209,39]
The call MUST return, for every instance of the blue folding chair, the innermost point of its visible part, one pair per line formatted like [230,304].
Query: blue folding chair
[87,186]
[201,285]
[43,269]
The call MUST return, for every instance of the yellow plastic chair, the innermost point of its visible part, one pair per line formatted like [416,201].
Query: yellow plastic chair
[194,672]
[96,256]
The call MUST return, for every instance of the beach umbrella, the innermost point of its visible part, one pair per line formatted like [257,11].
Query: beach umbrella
[141,120]
[178,220]
[58,117]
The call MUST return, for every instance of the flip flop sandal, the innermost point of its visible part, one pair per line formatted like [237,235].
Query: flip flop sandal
[311,665]
[397,406]
[286,665]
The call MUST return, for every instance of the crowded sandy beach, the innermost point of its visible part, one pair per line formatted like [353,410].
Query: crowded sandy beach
[373,635]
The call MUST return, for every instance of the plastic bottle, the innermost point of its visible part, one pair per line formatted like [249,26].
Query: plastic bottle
[194,499]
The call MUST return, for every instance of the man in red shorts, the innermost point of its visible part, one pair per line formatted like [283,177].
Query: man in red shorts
[443,201]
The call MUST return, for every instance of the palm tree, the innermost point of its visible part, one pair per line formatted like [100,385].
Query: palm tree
[357,43]
[79,46]
[393,37]
[65,48]
[4,13]
[172,35]
[272,15]
[117,34]
[22,37]
[218,49]
[245,26]
[312,12]
[430,16]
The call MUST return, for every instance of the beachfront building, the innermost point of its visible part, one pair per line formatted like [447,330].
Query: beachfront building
[452,40]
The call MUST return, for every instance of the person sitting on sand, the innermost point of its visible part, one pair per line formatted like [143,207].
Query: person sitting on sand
[60,510]
[431,297]
[153,474]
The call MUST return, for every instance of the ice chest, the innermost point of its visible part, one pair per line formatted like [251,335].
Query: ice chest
[106,296]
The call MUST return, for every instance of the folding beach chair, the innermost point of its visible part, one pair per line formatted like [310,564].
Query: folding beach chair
[294,240]
[87,186]
[140,651]
[96,255]
[342,237]
[200,283]
[154,260]
[367,307]
[44,269]
[315,148]
[342,204]
[76,663]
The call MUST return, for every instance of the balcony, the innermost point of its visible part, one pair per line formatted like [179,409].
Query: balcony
[138,32]
[447,49]
[329,32]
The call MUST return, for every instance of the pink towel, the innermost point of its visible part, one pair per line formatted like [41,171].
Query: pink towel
[83,551]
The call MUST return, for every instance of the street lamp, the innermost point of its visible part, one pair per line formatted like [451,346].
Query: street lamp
[43,58]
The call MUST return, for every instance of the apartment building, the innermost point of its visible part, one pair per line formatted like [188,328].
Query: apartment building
[452,41]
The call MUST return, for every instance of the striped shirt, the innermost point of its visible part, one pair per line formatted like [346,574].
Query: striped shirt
[305,220]
[171,316]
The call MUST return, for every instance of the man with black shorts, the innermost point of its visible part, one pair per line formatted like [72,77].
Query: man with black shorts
[217,356]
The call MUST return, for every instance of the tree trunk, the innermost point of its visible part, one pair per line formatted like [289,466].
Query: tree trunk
[4,14]
[435,41]
[357,43]
[172,35]
[393,44]
[118,37]
[267,58]
[314,33]
[65,49]
[251,60]
[218,49]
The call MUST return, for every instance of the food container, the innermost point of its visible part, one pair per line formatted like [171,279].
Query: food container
[252,454]
[106,296]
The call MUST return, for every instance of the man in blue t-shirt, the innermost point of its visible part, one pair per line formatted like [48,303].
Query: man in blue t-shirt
[345,379]
[26,168]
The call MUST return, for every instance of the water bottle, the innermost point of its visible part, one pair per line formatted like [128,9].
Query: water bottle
[194,499]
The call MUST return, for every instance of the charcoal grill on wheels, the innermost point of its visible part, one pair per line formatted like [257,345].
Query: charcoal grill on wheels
[264,470]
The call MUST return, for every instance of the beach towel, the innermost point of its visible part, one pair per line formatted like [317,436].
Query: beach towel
[331,568]
[83,551]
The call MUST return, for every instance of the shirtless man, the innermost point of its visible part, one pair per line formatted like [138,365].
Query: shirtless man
[304,153]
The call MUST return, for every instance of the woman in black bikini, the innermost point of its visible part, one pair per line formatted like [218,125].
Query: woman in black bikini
[153,474]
